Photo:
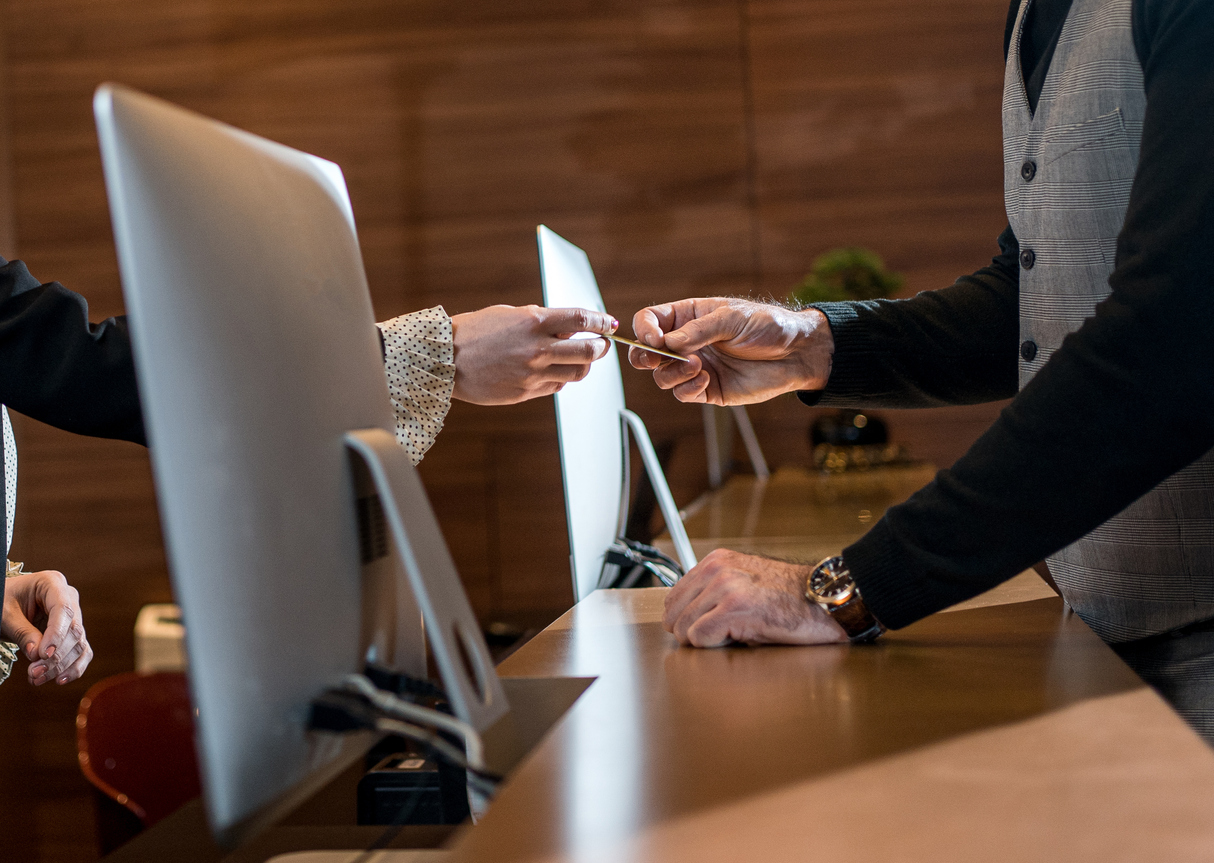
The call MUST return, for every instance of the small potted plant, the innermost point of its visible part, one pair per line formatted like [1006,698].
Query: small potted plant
[849,440]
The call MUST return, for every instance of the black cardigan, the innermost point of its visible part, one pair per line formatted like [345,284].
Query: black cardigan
[1124,403]
[58,368]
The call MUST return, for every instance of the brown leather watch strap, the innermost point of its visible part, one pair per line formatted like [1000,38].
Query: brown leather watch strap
[855,618]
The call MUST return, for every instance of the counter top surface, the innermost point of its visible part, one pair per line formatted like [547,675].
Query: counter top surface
[1008,731]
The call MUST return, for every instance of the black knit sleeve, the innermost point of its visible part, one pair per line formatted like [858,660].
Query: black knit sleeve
[956,345]
[58,368]
[1125,402]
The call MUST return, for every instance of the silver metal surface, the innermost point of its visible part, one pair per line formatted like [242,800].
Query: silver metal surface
[256,351]
[592,425]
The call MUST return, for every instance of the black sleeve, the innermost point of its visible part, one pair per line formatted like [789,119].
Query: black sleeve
[58,368]
[1125,402]
[953,346]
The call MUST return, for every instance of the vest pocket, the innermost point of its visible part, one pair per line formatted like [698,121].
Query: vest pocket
[1096,133]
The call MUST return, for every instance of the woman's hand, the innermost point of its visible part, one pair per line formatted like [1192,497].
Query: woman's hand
[508,354]
[41,615]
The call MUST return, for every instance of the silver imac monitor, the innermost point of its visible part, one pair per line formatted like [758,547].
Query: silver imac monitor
[593,426]
[266,405]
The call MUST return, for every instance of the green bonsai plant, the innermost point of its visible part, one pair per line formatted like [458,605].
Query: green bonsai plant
[847,440]
[851,273]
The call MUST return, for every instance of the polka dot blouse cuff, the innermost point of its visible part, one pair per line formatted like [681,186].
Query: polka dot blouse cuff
[419,359]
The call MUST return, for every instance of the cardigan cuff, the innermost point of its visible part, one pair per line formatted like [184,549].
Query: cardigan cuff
[848,377]
[893,592]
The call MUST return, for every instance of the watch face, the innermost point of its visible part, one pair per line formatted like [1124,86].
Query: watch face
[832,585]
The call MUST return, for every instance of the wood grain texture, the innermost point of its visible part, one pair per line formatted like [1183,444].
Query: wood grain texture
[691,147]
[699,743]
[7,248]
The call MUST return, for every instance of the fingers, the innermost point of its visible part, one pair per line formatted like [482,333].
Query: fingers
[560,321]
[694,391]
[560,375]
[645,360]
[712,629]
[719,325]
[60,644]
[651,324]
[82,657]
[578,350]
[687,588]
[689,380]
[21,632]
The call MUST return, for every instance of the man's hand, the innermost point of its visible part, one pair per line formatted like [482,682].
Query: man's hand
[508,354]
[741,352]
[734,597]
[41,615]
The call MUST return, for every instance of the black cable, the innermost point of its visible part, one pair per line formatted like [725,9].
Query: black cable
[342,711]
[393,829]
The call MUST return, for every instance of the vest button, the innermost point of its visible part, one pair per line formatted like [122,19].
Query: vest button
[1028,170]
[1028,350]
[1027,259]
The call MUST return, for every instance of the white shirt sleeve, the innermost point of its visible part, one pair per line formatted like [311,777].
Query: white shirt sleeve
[419,360]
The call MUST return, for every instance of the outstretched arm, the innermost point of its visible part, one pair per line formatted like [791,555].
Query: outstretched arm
[493,356]
[956,345]
[60,369]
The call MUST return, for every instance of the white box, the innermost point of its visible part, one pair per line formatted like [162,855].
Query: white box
[159,639]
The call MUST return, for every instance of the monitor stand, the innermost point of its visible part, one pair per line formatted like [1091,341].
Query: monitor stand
[511,716]
[459,648]
[536,705]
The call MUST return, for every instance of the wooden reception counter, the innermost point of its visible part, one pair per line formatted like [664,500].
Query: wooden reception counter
[1000,730]
[1004,732]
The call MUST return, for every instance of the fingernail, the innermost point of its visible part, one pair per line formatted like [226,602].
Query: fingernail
[615,325]
[50,651]
[676,338]
[29,648]
[63,680]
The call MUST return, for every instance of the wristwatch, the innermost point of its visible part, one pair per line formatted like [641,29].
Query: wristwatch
[831,586]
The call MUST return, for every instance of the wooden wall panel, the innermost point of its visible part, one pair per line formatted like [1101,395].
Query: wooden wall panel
[7,249]
[692,147]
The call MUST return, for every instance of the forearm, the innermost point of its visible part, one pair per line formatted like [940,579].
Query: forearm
[1079,444]
[58,368]
[956,345]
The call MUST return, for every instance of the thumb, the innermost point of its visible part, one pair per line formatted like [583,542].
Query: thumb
[719,325]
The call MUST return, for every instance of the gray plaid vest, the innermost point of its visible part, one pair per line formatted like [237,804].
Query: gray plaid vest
[1067,172]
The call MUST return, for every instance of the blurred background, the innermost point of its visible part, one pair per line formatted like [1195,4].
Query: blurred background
[692,147]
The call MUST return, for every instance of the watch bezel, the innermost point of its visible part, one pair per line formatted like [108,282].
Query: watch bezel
[834,567]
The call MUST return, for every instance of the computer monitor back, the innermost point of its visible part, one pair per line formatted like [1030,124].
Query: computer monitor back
[256,350]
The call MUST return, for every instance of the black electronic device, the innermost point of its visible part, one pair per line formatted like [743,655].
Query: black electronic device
[410,788]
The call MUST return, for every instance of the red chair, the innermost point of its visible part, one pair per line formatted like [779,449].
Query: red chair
[135,742]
